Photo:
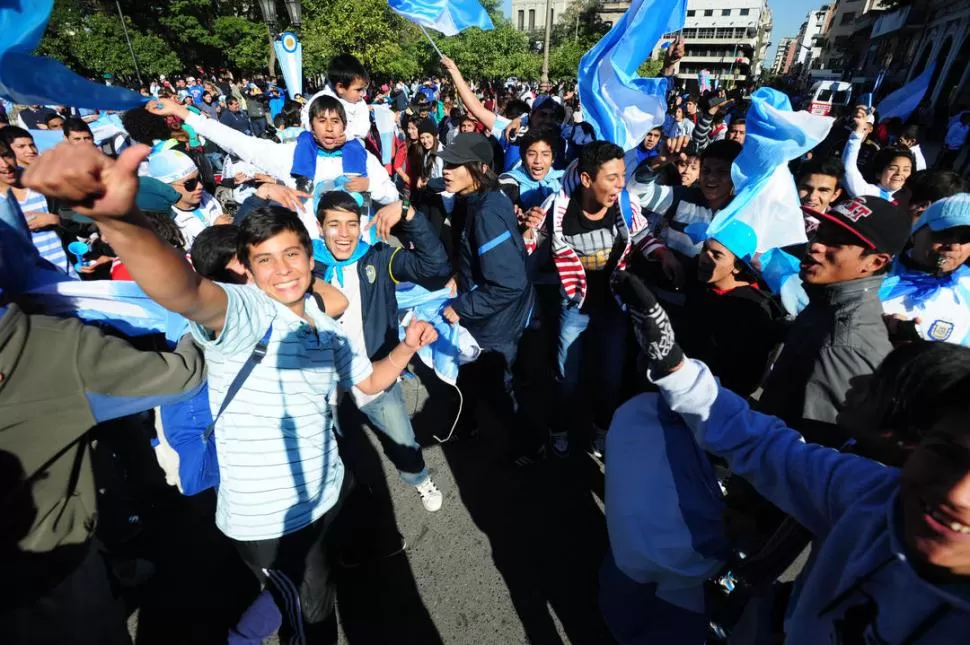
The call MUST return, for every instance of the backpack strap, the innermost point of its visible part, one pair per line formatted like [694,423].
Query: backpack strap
[254,359]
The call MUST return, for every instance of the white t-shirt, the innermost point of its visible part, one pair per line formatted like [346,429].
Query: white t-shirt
[193,222]
[352,320]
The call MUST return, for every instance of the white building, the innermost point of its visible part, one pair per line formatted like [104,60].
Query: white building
[530,15]
[841,26]
[812,35]
[717,34]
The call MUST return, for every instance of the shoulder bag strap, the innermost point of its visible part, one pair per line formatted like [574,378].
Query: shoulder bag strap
[254,359]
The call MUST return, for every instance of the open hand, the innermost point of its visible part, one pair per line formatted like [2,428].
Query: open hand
[283,195]
[387,218]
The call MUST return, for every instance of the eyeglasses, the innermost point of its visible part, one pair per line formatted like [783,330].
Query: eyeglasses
[190,184]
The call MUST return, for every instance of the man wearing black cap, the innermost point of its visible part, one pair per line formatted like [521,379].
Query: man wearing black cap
[840,334]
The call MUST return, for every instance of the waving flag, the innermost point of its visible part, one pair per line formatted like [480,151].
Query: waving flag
[621,106]
[35,80]
[905,100]
[447,16]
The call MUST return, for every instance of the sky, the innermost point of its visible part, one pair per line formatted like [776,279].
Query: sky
[787,15]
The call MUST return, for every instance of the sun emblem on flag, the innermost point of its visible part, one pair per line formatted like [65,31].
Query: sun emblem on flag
[289,41]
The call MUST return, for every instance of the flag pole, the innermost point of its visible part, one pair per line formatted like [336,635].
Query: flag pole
[423,31]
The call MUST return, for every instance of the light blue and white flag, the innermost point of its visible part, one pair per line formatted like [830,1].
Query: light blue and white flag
[289,55]
[39,287]
[455,345]
[621,106]
[765,196]
[906,99]
[35,80]
[447,16]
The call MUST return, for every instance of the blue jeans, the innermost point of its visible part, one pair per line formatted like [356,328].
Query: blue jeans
[589,365]
[388,414]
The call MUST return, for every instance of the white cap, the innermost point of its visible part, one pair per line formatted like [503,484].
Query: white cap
[170,166]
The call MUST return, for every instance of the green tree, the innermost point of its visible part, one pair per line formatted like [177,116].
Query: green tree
[579,23]
[564,60]
[497,53]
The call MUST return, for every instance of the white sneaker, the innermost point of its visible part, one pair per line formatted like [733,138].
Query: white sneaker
[431,497]
[599,443]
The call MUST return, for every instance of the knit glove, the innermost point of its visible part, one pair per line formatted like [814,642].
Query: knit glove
[650,324]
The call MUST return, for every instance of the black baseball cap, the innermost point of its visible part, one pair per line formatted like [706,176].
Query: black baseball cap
[878,224]
[469,147]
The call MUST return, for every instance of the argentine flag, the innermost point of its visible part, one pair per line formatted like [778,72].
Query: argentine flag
[905,100]
[621,106]
[447,16]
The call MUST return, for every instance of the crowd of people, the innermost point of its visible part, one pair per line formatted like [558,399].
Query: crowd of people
[736,430]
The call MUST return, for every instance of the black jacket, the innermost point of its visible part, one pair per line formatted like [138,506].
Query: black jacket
[495,298]
[379,271]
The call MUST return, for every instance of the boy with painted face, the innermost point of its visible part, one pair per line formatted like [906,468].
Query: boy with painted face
[367,276]
[195,209]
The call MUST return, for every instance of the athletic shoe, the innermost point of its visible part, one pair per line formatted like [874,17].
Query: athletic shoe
[431,497]
[599,443]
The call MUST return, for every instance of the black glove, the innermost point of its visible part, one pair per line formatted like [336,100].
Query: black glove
[650,324]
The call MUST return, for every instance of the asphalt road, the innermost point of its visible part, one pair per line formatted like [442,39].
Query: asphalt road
[512,557]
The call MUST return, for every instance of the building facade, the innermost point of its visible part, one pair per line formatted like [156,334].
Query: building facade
[811,38]
[836,43]
[530,15]
[718,32]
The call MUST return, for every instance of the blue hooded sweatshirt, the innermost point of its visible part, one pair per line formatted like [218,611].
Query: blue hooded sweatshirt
[860,586]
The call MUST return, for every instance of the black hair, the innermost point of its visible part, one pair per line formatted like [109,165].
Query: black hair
[822,165]
[166,228]
[516,108]
[557,113]
[75,125]
[910,132]
[345,69]
[597,153]
[724,150]
[231,99]
[325,103]
[934,185]
[291,114]
[483,177]
[266,222]
[337,200]
[915,387]
[548,135]
[50,117]
[885,157]
[5,150]
[11,133]
[145,127]
[738,120]
[213,249]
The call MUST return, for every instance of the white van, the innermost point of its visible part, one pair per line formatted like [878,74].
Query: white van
[828,94]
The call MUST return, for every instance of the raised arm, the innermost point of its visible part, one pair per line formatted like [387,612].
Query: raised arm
[855,184]
[466,95]
[104,190]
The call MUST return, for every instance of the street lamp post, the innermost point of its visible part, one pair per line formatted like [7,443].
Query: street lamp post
[545,46]
[131,49]
[295,9]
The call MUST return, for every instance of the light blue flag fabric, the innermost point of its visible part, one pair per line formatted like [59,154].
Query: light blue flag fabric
[447,16]
[35,80]
[289,55]
[46,139]
[41,288]
[906,99]
[454,346]
[621,106]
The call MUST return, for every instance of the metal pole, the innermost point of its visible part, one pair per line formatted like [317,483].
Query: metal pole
[131,49]
[545,46]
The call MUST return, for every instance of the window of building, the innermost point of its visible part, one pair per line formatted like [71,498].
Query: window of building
[724,32]
[705,32]
[745,12]
[521,19]
[740,32]
[689,33]
[847,18]
[725,12]
[708,12]
[690,13]
[532,19]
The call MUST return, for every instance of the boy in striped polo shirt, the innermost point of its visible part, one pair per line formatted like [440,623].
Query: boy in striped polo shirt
[281,479]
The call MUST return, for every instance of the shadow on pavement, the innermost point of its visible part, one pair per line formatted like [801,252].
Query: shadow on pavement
[547,535]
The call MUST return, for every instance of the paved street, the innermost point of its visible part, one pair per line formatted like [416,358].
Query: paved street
[511,558]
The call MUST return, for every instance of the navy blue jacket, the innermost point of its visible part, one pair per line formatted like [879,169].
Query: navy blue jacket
[382,267]
[235,120]
[495,293]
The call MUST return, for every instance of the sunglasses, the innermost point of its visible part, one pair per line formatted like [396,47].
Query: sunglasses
[955,235]
[191,184]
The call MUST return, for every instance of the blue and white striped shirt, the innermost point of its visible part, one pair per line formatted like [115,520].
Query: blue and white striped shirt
[278,464]
[48,243]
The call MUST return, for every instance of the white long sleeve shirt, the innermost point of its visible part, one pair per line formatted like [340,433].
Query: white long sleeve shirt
[855,183]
